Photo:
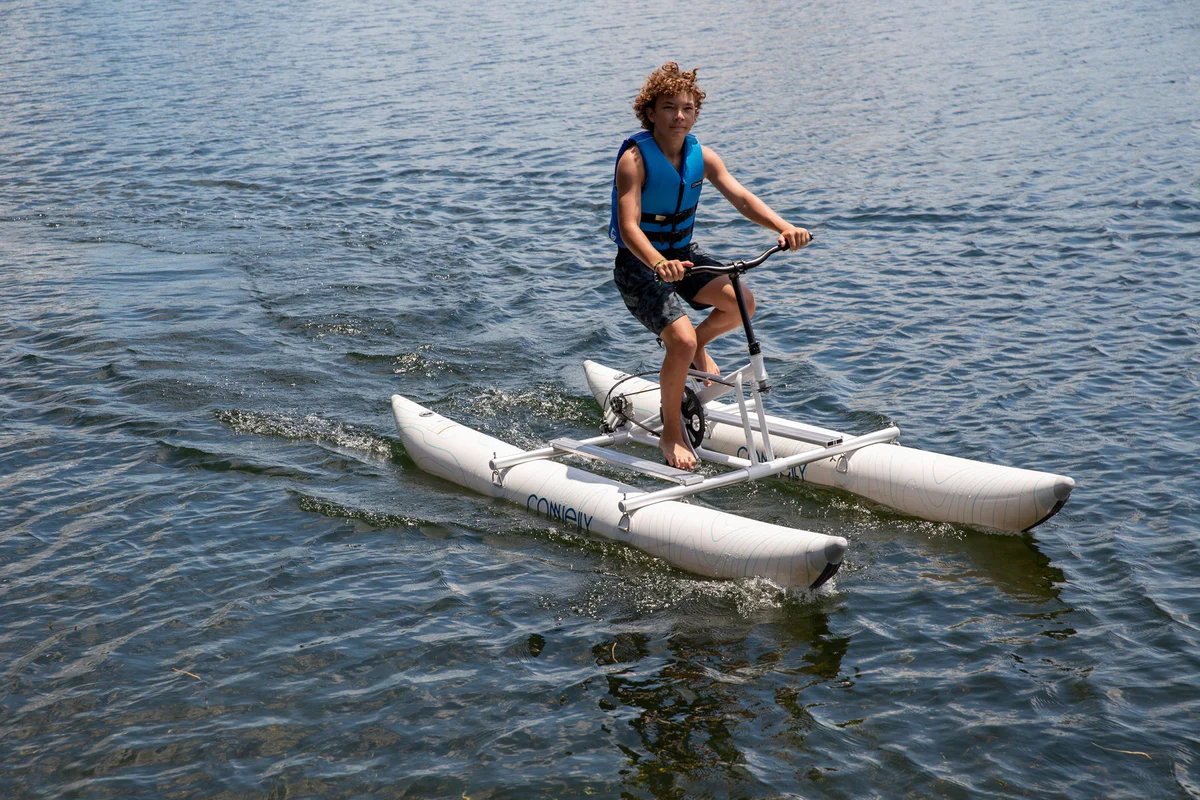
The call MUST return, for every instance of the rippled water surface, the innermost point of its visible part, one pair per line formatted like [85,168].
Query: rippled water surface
[229,232]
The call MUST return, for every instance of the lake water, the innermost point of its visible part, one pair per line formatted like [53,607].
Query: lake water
[229,232]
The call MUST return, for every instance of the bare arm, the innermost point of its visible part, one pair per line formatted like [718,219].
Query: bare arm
[631,174]
[748,204]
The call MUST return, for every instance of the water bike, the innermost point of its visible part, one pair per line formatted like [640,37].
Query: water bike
[741,436]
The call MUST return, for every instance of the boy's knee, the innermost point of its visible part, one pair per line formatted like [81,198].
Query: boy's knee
[686,341]
[679,337]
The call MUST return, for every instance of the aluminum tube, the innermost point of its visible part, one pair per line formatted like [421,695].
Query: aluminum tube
[756,471]
[741,401]
[760,372]
[763,431]
[604,439]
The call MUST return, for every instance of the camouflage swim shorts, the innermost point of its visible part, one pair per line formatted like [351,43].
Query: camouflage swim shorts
[653,301]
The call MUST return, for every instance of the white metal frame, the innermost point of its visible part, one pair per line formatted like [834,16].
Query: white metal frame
[829,443]
[751,417]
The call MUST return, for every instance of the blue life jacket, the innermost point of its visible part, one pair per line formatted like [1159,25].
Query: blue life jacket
[669,198]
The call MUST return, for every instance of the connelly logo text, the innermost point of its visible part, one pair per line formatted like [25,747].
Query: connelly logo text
[558,511]
[793,472]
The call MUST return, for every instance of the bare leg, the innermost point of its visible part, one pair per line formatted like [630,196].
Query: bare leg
[704,362]
[724,317]
[680,340]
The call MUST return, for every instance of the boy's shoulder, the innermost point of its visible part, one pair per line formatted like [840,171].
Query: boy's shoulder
[633,157]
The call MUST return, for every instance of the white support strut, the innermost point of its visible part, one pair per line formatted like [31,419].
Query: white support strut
[765,469]
[501,463]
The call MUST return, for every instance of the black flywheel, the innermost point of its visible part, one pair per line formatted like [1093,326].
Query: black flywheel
[693,417]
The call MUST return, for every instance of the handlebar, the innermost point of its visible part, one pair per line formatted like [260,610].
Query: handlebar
[740,267]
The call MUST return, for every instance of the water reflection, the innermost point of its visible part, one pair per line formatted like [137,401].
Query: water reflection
[699,714]
[1013,564]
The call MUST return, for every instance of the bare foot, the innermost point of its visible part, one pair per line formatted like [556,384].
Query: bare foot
[677,453]
[709,366]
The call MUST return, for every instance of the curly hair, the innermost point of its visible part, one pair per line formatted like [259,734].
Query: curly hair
[666,80]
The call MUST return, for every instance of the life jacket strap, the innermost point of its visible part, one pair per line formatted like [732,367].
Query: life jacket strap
[668,219]
[668,237]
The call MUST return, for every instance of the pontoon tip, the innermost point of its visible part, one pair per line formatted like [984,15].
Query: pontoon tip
[835,549]
[1062,488]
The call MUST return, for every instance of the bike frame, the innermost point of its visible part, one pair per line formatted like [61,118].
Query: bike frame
[645,431]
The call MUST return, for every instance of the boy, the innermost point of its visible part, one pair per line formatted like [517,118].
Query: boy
[656,188]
